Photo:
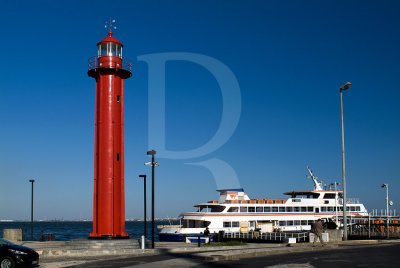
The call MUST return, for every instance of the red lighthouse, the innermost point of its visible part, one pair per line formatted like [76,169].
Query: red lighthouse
[109,70]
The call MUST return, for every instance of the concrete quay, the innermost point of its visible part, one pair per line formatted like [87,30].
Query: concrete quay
[68,253]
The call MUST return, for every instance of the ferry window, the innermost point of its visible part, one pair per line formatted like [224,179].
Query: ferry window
[194,224]
[358,209]
[303,209]
[296,222]
[274,209]
[310,209]
[289,209]
[340,208]
[259,209]
[282,223]
[330,209]
[281,209]
[217,208]
[251,209]
[296,209]
[326,202]
[310,222]
[323,209]
[235,224]
[296,200]
[203,209]
[303,222]
[267,209]
[199,224]
[226,224]
[329,196]
[352,209]
[347,208]
[233,209]
[243,209]
[289,223]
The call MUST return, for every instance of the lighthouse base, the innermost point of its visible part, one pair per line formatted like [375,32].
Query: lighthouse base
[107,237]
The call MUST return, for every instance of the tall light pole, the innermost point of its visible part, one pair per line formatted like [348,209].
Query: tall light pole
[343,88]
[145,206]
[386,185]
[153,163]
[31,181]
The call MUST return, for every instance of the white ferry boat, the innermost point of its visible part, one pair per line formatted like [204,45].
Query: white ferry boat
[236,212]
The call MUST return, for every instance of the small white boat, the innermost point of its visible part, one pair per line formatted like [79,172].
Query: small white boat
[236,212]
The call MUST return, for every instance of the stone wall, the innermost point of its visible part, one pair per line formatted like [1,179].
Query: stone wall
[12,234]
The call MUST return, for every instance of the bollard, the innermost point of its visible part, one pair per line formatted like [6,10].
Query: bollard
[143,242]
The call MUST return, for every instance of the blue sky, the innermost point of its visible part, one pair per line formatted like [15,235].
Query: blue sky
[288,58]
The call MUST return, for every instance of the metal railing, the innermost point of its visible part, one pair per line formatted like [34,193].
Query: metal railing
[274,236]
[353,201]
[375,226]
[93,63]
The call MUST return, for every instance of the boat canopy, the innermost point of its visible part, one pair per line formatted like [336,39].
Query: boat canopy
[222,191]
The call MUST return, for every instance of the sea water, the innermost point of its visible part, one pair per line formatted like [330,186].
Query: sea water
[68,230]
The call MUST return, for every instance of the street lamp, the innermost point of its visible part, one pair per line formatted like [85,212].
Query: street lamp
[343,88]
[145,206]
[31,181]
[386,185]
[153,163]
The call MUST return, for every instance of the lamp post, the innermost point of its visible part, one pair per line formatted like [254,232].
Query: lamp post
[153,163]
[145,206]
[31,181]
[343,88]
[386,185]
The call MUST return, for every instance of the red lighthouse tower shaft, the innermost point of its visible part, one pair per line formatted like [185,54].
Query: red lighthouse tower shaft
[109,199]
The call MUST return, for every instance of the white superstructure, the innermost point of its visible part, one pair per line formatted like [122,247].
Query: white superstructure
[236,212]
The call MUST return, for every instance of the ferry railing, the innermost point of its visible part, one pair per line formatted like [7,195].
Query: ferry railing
[353,201]
[349,201]
[170,226]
